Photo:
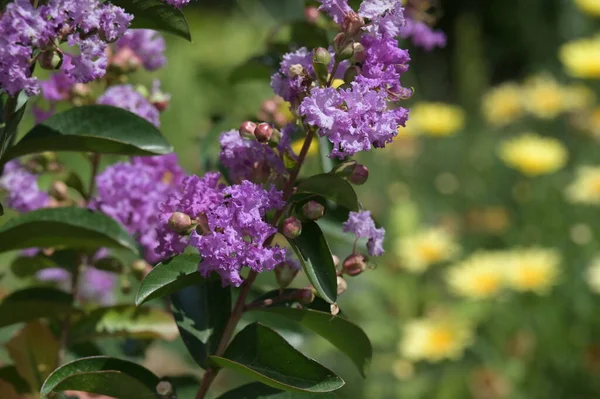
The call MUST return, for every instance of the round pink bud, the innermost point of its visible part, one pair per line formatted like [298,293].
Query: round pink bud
[291,227]
[269,106]
[247,130]
[126,60]
[306,296]
[311,14]
[342,286]
[51,60]
[354,265]
[313,210]
[359,175]
[321,56]
[285,274]
[263,132]
[180,223]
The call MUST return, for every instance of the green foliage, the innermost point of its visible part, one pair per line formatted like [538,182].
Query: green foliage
[257,390]
[34,303]
[331,187]
[262,354]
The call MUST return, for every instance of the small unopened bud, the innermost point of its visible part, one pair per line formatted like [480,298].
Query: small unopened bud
[359,52]
[313,210]
[51,60]
[354,265]
[159,99]
[321,56]
[340,41]
[306,296]
[351,74]
[263,132]
[269,106]
[335,309]
[311,14]
[247,130]
[353,23]
[126,60]
[345,54]
[342,286]
[285,274]
[291,227]
[165,389]
[359,175]
[336,260]
[180,223]
[295,70]
[59,190]
[140,268]
[275,138]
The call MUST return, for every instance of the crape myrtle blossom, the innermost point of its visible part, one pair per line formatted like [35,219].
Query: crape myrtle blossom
[88,24]
[21,187]
[422,35]
[177,3]
[148,46]
[362,226]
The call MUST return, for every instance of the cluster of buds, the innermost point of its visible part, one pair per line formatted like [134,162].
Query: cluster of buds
[276,110]
[263,133]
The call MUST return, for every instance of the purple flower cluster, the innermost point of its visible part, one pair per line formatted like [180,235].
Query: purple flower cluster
[88,24]
[127,97]
[21,186]
[130,192]
[422,35]
[177,3]
[361,225]
[145,44]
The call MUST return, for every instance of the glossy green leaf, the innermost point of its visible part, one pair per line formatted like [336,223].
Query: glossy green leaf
[125,321]
[93,128]
[316,259]
[332,187]
[103,375]
[157,15]
[257,390]
[346,336]
[69,227]
[170,276]
[260,353]
[201,312]
[34,303]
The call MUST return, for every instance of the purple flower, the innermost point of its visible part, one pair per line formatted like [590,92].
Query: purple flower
[58,87]
[422,35]
[148,45]
[361,224]
[21,186]
[386,17]
[126,97]
[177,3]
[337,9]
[353,119]
[131,193]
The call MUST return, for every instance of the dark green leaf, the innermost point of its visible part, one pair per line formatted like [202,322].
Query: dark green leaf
[201,313]
[333,188]
[28,266]
[260,353]
[34,303]
[125,321]
[170,276]
[346,336]
[316,259]
[103,375]
[93,128]
[11,375]
[257,390]
[8,127]
[157,15]
[64,227]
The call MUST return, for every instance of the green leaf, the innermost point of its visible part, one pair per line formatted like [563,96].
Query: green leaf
[257,390]
[64,227]
[201,313]
[28,266]
[34,303]
[346,336]
[332,187]
[93,128]
[125,321]
[8,127]
[316,259]
[170,276]
[157,15]
[103,375]
[260,353]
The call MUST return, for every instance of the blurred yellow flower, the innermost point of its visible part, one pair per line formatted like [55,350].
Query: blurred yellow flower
[592,275]
[419,251]
[534,155]
[578,97]
[479,276]
[534,269]
[503,104]
[543,97]
[586,187]
[591,7]
[436,119]
[313,149]
[435,338]
[581,58]
[337,83]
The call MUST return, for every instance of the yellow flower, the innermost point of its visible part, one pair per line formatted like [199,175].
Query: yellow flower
[578,97]
[581,57]
[503,104]
[435,338]
[586,187]
[534,155]
[417,252]
[543,97]
[436,119]
[480,276]
[312,150]
[591,7]
[534,269]
[592,275]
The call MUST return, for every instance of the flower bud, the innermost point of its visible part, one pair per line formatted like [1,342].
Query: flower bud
[321,56]
[311,14]
[345,54]
[352,24]
[360,53]
[335,309]
[275,139]
[202,226]
[340,41]
[165,389]
[354,265]
[140,268]
[295,70]
[159,99]
[51,60]
[126,60]
[285,274]
[263,132]
[342,286]
[345,169]
[359,175]
[336,260]
[351,74]
[247,130]
[59,190]
[269,106]
[180,223]
[313,210]
[306,296]
[291,227]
